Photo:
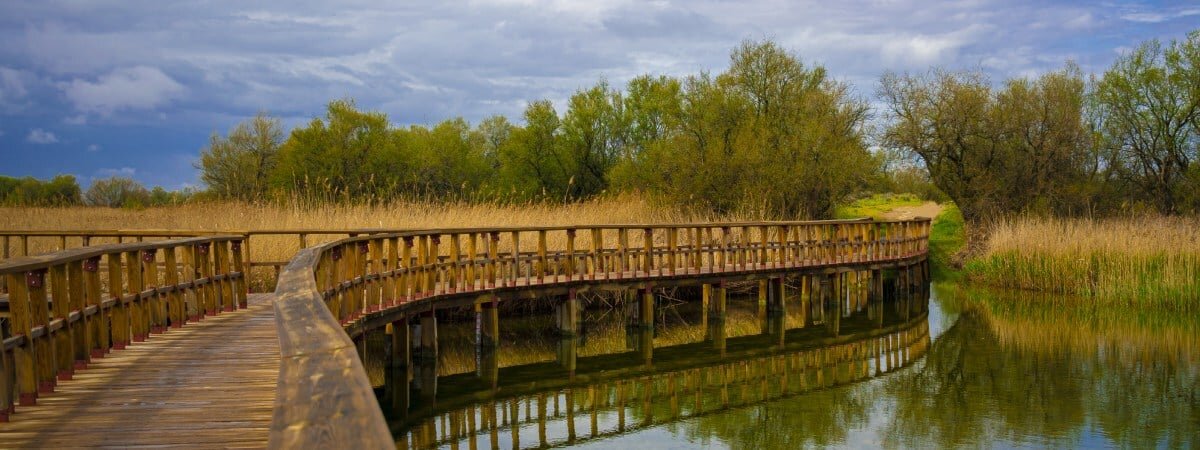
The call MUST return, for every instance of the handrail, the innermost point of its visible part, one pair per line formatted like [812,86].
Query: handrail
[60,322]
[334,286]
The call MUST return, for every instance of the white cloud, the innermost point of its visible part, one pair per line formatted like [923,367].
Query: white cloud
[93,148]
[1160,16]
[40,136]
[78,119]
[127,172]
[130,88]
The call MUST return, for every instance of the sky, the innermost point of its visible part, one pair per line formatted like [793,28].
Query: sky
[135,88]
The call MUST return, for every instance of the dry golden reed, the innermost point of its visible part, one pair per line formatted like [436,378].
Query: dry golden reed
[1135,261]
[232,216]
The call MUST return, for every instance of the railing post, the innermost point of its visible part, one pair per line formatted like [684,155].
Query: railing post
[241,280]
[204,262]
[43,347]
[392,288]
[64,355]
[516,257]
[570,268]
[648,249]
[118,315]
[80,337]
[542,262]
[408,277]
[21,324]
[374,301]
[135,281]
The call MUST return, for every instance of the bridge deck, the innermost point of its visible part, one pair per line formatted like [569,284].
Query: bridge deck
[209,384]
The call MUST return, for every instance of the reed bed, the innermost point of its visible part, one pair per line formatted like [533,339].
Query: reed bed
[1144,261]
[234,216]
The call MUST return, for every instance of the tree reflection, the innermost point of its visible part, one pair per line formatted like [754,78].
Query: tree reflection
[1036,373]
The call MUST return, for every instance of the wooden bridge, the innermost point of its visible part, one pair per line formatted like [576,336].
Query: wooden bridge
[158,343]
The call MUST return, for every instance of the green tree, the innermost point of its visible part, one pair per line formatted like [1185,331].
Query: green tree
[351,154]
[593,136]
[238,166]
[117,191]
[1149,121]
[532,163]
[994,152]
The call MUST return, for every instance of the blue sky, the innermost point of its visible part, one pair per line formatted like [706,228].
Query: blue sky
[136,87]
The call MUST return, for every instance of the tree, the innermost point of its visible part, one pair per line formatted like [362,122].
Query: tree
[352,154]
[238,166]
[1149,121]
[593,136]
[532,162]
[993,152]
[116,192]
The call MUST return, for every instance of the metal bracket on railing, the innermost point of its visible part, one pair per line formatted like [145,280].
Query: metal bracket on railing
[495,236]
[35,278]
[91,264]
[570,232]
[335,253]
[435,239]
[408,241]
[363,247]
[203,248]
[235,246]
[148,255]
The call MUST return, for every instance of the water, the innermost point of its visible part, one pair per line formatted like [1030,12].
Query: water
[964,369]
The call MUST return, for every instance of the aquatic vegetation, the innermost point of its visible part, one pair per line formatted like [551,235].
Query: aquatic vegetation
[1145,261]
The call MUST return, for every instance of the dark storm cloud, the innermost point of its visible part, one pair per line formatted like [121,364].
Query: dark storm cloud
[146,81]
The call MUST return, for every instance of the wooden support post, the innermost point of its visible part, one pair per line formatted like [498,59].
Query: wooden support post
[60,308]
[516,259]
[830,288]
[174,307]
[427,345]
[98,325]
[241,282]
[204,262]
[375,291]
[542,261]
[193,296]
[119,313]
[570,269]
[401,344]
[138,326]
[455,263]
[408,278]
[648,251]
[567,315]
[43,347]
[221,259]
[80,333]
[21,324]
[155,305]
[597,259]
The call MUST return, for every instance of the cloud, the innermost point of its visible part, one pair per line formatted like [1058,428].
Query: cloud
[1160,16]
[127,172]
[132,88]
[40,136]
[93,148]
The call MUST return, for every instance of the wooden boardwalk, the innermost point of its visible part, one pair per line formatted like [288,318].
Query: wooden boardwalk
[210,384]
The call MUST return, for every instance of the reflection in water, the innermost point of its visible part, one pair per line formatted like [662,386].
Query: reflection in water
[1000,370]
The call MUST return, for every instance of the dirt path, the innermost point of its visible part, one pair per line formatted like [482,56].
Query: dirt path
[927,209]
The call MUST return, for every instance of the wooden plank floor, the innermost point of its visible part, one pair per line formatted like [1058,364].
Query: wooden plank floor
[210,384]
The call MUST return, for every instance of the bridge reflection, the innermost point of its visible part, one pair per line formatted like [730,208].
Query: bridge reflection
[652,377]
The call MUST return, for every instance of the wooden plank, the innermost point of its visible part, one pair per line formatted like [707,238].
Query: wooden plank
[186,388]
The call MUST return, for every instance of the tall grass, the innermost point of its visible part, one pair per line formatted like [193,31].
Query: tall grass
[1145,261]
[298,215]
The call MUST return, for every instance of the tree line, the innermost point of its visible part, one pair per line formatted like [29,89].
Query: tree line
[64,190]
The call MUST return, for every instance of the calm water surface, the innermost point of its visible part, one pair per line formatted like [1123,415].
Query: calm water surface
[965,368]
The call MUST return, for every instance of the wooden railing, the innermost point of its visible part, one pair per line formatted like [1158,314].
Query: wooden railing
[68,307]
[20,243]
[343,283]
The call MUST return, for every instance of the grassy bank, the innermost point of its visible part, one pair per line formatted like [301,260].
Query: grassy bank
[1149,261]
[876,206]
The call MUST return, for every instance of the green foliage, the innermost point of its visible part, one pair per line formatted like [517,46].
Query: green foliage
[1146,110]
[62,190]
[993,151]
[946,238]
[238,166]
[117,191]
